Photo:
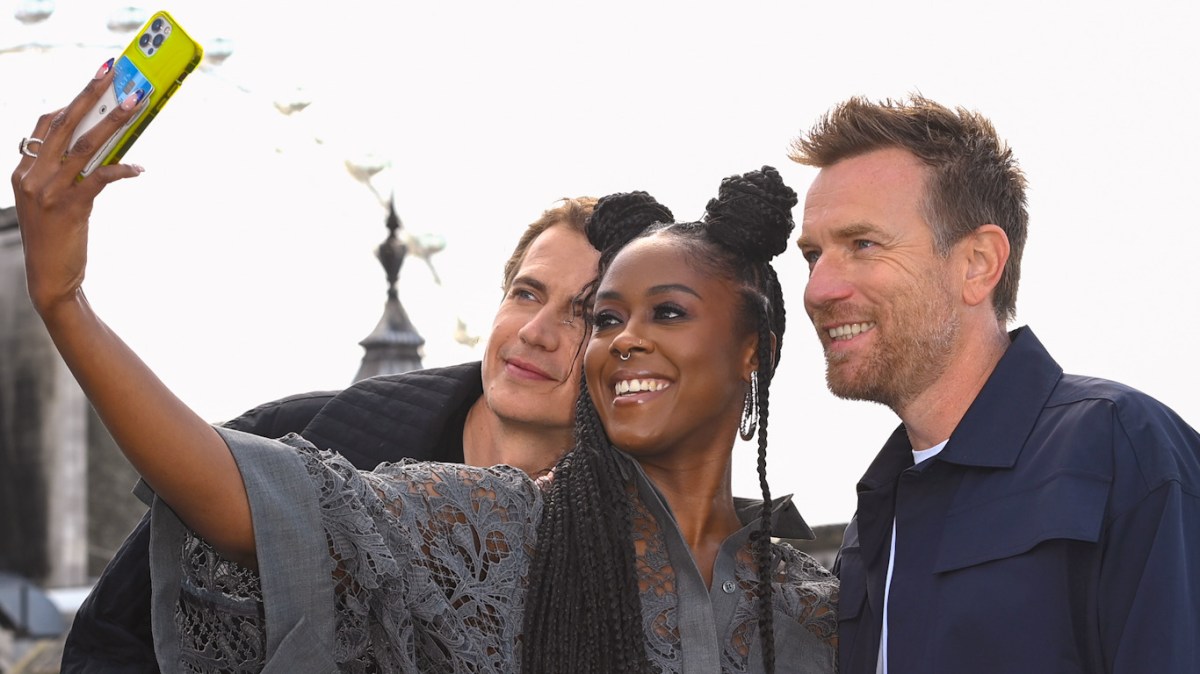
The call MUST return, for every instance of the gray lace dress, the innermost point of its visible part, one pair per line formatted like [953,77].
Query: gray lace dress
[421,567]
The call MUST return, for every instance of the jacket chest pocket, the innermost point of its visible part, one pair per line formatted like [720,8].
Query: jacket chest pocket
[1067,506]
[1012,577]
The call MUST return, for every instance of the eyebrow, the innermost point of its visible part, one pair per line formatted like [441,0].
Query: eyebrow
[850,231]
[654,290]
[530,281]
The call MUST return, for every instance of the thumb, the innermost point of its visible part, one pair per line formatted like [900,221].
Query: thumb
[104,175]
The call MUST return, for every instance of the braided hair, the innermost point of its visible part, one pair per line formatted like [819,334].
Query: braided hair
[583,609]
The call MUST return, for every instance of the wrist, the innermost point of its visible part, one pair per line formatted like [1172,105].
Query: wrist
[60,310]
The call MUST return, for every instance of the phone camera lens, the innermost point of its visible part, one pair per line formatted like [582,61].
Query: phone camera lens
[145,40]
[157,25]
[158,40]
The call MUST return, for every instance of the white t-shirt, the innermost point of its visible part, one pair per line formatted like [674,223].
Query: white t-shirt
[919,455]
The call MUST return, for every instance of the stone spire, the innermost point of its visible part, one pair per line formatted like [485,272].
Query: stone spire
[394,346]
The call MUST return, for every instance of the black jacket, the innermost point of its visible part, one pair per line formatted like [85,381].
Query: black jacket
[416,415]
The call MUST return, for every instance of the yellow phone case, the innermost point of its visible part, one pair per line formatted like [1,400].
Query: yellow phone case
[161,55]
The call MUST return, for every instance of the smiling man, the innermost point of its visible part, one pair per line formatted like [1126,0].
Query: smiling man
[515,408]
[526,415]
[1020,519]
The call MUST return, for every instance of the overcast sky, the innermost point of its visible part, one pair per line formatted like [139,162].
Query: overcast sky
[240,265]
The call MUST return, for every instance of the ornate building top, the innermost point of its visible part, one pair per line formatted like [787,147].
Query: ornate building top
[394,346]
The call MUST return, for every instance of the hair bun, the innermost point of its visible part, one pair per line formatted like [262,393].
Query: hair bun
[752,214]
[618,218]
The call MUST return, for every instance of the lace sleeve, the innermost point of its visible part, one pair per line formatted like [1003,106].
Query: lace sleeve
[439,551]
[805,620]
[428,564]
[806,592]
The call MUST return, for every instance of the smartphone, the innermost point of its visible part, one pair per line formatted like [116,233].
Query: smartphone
[153,66]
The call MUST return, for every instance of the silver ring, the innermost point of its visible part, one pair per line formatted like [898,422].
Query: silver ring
[25,146]
[624,356]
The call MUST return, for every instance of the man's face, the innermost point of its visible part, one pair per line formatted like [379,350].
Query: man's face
[882,299]
[529,368]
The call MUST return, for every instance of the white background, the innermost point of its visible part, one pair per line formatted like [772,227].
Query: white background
[240,265]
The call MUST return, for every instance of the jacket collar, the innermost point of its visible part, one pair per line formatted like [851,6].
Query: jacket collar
[996,425]
[895,456]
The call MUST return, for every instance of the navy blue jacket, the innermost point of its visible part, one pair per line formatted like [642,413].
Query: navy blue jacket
[416,415]
[1058,531]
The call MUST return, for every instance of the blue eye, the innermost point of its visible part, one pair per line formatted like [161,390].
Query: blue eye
[522,294]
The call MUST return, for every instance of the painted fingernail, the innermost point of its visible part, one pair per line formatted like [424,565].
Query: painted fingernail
[132,100]
[104,69]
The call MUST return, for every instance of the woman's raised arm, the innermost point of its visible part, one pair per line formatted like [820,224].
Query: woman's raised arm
[180,455]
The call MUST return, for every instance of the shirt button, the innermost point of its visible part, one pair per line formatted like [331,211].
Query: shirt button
[728,586]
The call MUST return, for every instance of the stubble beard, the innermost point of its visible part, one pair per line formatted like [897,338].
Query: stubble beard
[913,351]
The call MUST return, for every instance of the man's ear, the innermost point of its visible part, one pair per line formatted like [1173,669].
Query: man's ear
[986,250]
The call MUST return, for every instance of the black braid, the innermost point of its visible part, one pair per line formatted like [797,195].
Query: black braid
[751,220]
[583,612]
[777,315]
[762,538]
[772,320]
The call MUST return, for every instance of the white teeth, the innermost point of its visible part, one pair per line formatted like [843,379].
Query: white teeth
[627,386]
[850,330]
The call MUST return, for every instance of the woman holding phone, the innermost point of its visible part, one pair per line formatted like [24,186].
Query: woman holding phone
[271,555]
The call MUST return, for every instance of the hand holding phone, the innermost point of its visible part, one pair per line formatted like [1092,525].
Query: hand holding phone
[152,66]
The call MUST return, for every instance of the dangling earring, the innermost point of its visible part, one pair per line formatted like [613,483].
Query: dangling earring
[749,423]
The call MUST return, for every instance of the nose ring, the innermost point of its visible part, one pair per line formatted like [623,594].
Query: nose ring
[625,356]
